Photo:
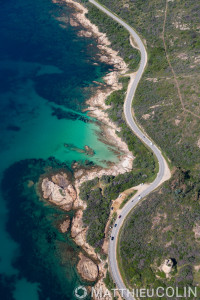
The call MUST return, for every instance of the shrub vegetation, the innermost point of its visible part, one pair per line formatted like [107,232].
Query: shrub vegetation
[157,106]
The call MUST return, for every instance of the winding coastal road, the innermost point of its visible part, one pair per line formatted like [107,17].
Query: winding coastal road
[163,173]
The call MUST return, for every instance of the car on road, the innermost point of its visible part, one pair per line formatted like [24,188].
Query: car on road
[128,101]
[115,225]
[120,216]
[112,238]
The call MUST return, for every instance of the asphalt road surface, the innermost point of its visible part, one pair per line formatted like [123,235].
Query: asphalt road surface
[162,163]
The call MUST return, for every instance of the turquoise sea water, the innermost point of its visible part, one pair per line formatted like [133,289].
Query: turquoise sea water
[46,72]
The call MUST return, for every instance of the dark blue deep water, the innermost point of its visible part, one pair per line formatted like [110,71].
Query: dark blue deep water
[46,74]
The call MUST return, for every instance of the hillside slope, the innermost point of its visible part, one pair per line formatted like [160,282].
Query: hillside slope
[166,224]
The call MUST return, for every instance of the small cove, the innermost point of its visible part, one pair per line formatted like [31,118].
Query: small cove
[44,67]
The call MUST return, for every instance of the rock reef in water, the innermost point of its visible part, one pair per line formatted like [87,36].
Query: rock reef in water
[87,150]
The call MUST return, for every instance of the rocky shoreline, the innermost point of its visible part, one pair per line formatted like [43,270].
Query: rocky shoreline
[58,189]
[96,104]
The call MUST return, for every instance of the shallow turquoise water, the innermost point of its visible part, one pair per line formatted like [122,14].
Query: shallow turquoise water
[43,68]
[42,135]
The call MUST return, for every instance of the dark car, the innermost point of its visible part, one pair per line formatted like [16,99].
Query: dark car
[115,225]
[112,238]
[120,216]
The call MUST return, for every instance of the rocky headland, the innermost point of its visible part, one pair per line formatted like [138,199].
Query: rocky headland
[59,190]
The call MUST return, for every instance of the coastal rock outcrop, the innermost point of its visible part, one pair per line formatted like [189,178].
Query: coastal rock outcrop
[107,55]
[87,268]
[77,223]
[78,233]
[65,225]
[61,179]
[59,191]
